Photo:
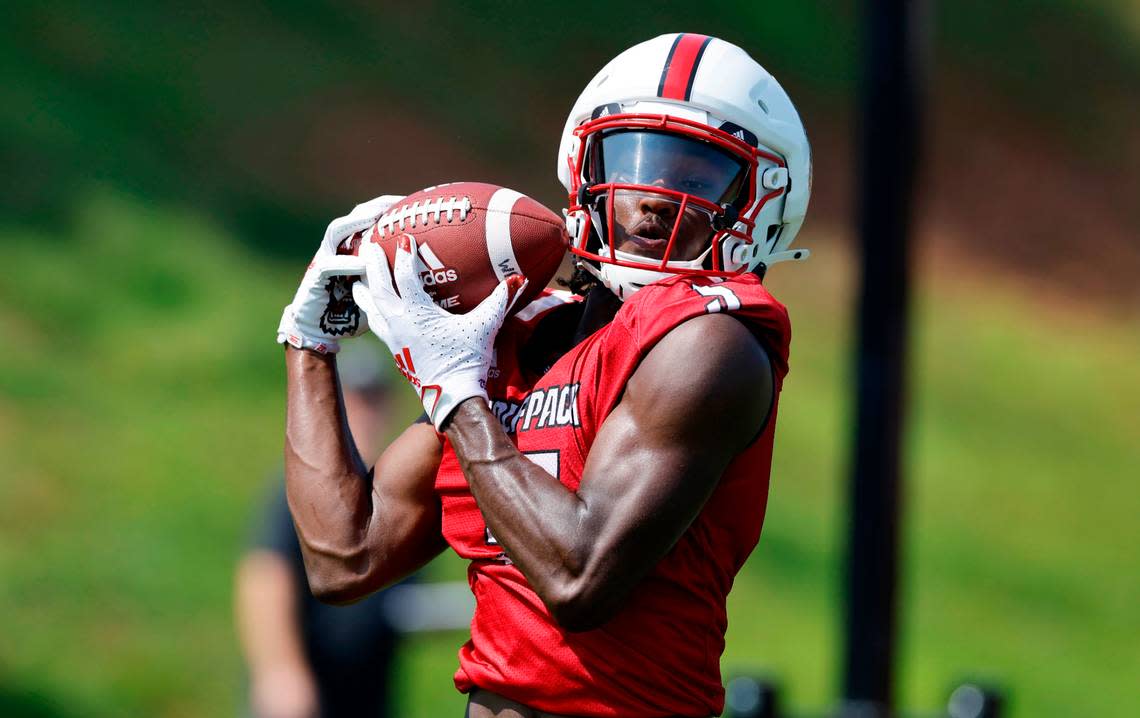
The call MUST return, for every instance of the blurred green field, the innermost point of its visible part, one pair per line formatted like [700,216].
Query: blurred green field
[141,394]
[141,406]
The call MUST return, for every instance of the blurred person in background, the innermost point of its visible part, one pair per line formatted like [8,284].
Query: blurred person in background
[619,484]
[307,659]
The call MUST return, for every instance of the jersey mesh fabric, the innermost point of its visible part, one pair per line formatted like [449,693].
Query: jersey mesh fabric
[660,656]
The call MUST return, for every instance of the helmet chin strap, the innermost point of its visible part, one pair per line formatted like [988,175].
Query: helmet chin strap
[624,281]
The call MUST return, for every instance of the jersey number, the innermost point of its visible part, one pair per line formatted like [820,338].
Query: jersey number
[723,298]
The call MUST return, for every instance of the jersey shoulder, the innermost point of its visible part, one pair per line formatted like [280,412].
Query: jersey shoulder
[658,308]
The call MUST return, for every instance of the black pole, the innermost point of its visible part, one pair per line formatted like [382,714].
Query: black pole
[885,179]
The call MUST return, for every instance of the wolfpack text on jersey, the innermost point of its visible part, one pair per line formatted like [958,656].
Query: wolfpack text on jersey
[542,408]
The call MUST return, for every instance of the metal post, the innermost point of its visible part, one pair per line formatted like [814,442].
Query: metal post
[885,180]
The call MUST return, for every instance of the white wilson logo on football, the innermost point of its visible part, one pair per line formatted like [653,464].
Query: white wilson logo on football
[436,273]
[499,243]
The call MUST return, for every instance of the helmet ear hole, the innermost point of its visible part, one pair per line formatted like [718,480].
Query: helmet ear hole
[741,254]
[774,178]
[728,216]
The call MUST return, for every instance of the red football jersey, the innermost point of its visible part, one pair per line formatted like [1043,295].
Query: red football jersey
[660,656]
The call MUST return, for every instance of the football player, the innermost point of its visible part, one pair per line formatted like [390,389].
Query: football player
[602,460]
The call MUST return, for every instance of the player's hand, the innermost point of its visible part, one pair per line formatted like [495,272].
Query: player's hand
[362,216]
[322,310]
[445,356]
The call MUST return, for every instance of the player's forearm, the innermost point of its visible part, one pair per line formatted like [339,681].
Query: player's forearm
[325,479]
[542,525]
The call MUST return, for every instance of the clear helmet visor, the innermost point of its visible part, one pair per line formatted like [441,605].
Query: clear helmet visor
[673,162]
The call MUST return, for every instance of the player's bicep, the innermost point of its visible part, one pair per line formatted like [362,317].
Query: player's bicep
[697,400]
[643,489]
[705,389]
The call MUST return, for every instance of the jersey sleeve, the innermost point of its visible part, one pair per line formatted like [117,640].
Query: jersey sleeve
[659,308]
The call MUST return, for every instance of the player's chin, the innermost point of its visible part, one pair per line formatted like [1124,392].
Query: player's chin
[644,247]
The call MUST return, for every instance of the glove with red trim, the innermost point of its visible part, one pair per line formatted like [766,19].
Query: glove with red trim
[444,356]
[323,310]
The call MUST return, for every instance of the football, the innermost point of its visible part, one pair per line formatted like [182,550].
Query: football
[471,236]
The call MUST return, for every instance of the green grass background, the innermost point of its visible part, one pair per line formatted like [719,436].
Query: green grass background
[137,430]
[166,170]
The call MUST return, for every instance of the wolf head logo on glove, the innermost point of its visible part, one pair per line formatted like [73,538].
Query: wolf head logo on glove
[341,316]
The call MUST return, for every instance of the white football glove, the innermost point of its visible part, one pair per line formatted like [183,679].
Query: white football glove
[323,310]
[362,216]
[445,356]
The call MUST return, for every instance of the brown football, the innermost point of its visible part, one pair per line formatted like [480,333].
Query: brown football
[471,236]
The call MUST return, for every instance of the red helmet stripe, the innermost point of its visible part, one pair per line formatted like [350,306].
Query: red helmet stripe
[681,66]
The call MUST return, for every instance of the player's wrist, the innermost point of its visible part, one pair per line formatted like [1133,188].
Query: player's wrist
[307,353]
[471,409]
[441,403]
[289,334]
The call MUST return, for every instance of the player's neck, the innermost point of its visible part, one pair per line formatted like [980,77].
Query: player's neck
[601,306]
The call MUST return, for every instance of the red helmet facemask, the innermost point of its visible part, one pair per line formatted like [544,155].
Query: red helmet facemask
[663,193]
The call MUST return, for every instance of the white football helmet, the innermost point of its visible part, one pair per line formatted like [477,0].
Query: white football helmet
[696,131]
